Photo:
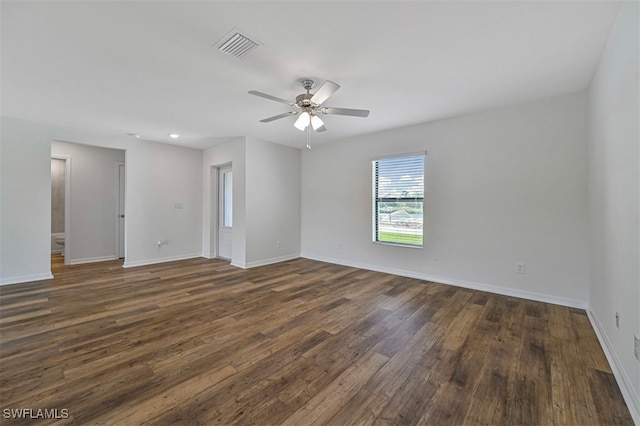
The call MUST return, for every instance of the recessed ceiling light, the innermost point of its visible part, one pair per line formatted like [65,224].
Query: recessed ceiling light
[135,135]
[174,135]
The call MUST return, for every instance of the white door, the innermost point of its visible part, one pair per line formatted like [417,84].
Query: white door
[225,212]
[121,181]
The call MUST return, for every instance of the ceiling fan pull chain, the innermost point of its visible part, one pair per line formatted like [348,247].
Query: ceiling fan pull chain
[309,138]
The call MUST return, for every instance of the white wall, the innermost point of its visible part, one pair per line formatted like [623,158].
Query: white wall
[501,186]
[25,207]
[272,202]
[163,202]
[266,201]
[232,152]
[158,176]
[93,196]
[614,200]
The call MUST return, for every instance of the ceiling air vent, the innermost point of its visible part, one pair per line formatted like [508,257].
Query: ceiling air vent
[237,44]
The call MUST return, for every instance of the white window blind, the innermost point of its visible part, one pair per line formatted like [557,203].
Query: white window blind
[398,200]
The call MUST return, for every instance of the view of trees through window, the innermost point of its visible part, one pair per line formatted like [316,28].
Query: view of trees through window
[398,198]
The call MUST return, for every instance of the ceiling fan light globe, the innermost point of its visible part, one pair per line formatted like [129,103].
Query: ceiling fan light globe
[303,121]
[316,122]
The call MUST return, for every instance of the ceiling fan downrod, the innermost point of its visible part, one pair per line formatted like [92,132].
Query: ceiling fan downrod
[307,84]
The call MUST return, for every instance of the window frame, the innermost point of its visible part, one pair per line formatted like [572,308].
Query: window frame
[375,228]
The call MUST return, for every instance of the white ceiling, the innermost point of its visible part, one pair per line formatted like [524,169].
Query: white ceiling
[150,67]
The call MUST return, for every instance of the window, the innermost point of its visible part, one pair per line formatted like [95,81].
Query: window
[398,200]
[227,191]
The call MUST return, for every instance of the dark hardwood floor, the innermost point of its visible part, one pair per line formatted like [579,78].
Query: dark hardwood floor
[296,343]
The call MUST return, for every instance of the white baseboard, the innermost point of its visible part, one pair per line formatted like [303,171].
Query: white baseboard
[131,264]
[624,382]
[264,262]
[25,279]
[538,297]
[92,260]
[271,261]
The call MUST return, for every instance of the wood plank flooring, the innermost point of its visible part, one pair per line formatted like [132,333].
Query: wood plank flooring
[297,343]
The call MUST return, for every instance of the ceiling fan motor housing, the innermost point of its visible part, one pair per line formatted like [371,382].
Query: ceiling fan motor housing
[304,100]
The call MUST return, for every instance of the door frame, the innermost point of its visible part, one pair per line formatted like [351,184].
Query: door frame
[221,169]
[213,213]
[119,164]
[67,206]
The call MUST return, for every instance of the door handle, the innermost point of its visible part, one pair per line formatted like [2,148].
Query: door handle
[121,215]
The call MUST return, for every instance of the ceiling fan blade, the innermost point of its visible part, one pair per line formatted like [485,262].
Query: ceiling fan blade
[279,116]
[273,98]
[345,111]
[327,89]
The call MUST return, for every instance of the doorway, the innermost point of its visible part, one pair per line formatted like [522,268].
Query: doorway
[60,207]
[94,197]
[225,212]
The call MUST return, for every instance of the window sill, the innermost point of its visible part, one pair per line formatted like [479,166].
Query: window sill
[382,243]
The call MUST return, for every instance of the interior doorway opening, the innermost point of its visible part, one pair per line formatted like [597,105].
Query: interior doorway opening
[225,212]
[94,203]
[60,206]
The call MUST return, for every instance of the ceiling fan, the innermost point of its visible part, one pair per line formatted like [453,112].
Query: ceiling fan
[309,105]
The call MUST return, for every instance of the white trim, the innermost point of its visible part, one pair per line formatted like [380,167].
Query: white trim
[67,205]
[132,264]
[271,261]
[411,246]
[25,279]
[117,193]
[213,211]
[403,154]
[221,206]
[92,259]
[539,297]
[624,382]
[374,184]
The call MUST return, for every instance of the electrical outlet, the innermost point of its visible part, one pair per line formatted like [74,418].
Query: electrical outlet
[520,267]
[617,320]
[636,347]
